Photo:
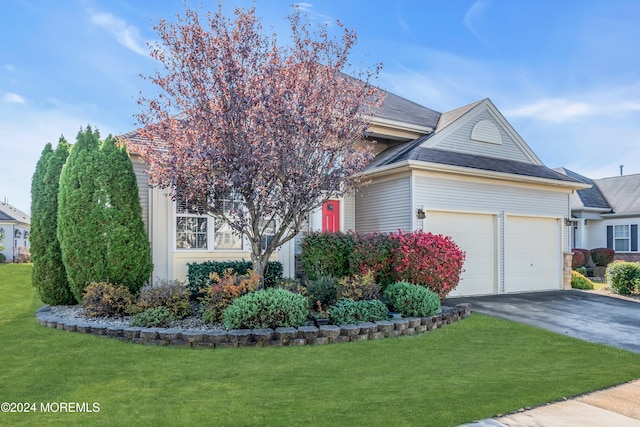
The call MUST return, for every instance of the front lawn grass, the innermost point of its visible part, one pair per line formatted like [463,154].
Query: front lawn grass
[474,369]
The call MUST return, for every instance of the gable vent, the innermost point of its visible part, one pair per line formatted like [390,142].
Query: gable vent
[486,131]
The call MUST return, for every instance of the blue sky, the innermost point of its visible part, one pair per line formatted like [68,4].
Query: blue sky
[564,73]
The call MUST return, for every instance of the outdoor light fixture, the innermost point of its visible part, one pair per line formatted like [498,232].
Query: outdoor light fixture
[420,214]
[568,222]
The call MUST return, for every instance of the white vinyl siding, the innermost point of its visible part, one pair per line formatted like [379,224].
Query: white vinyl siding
[596,231]
[436,192]
[142,179]
[348,209]
[384,206]
[460,141]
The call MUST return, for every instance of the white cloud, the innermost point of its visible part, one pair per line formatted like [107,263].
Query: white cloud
[127,35]
[474,18]
[13,98]
[562,110]
[9,68]
[308,9]
[403,24]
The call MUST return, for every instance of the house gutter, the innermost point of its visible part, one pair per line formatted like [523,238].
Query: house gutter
[398,126]
[620,215]
[465,171]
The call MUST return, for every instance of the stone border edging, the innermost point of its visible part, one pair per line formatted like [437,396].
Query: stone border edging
[304,335]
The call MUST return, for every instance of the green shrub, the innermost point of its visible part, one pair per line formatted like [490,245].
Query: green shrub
[602,256]
[412,300]
[199,273]
[104,299]
[323,291]
[579,281]
[358,287]
[172,295]
[582,270]
[224,290]
[347,311]
[623,277]
[153,317]
[327,254]
[2,258]
[269,308]
[129,252]
[577,261]
[372,252]
[49,275]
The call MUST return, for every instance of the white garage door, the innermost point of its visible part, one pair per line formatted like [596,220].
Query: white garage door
[476,235]
[532,254]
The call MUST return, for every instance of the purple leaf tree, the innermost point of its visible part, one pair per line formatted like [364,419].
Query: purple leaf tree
[252,132]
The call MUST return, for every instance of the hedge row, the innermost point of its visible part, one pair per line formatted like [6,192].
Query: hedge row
[425,259]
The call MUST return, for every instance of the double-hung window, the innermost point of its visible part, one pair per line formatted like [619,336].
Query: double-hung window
[224,238]
[623,237]
[195,230]
[191,227]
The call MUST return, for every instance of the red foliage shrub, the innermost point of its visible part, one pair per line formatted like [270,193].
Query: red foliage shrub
[427,259]
[587,256]
[578,259]
[602,256]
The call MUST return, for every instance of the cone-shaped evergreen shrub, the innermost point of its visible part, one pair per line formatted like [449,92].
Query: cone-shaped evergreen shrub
[37,239]
[49,274]
[100,227]
[128,250]
[81,218]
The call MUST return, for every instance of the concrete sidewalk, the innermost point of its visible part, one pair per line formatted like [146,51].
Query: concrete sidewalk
[617,406]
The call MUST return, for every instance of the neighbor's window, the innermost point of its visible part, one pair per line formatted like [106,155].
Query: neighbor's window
[621,238]
[191,227]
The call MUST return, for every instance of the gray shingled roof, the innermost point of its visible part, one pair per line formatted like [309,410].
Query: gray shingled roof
[451,116]
[590,197]
[621,192]
[397,108]
[5,217]
[10,213]
[434,155]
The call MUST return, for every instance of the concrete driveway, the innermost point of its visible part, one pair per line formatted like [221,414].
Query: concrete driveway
[587,316]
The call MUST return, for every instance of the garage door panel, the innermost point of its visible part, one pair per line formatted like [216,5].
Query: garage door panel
[475,234]
[532,254]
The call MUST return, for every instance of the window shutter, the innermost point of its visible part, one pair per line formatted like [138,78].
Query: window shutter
[634,237]
[610,236]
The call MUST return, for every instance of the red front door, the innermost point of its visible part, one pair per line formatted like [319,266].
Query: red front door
[331,216]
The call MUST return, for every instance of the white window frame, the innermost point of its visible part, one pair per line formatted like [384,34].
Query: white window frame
[213,234]
[622,233]
[189,217]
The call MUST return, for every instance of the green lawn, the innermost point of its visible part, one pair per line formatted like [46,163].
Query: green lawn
[474,369]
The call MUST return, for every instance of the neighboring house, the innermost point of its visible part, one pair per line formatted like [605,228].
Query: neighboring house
[466,173]
[607,214]
[15,226]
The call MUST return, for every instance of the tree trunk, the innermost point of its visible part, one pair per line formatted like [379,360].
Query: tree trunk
[259,261]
